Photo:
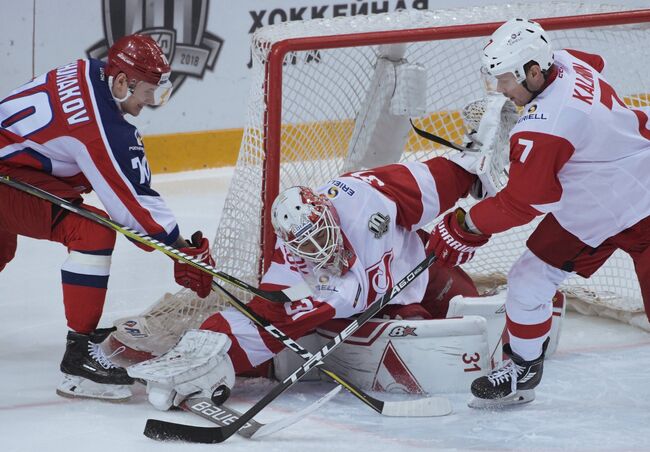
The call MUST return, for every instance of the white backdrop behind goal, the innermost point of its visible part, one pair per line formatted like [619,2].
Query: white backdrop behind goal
[315,80]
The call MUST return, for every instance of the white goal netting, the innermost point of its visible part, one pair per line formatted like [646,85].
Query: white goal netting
[311,85]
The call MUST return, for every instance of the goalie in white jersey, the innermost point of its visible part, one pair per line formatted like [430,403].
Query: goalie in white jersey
[579,155]
[350,240]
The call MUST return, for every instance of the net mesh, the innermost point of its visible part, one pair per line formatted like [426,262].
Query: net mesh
[322,91]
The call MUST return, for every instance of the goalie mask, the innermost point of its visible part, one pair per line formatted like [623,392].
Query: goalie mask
[513,45]
[308,224]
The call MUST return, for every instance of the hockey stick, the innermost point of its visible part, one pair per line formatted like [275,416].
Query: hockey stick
[223,415]
[436,139]
[278,296]
[163,430]
[427,406]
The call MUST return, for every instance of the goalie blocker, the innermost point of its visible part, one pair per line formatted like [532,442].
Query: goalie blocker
[421,356]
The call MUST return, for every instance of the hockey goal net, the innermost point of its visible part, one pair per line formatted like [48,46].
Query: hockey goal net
[320,88]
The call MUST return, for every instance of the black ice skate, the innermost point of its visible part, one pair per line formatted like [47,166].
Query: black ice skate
[511,384]
[89,373]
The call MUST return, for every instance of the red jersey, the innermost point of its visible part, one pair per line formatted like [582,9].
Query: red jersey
[67,124]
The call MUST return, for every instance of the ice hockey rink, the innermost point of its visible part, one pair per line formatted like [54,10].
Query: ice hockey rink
[594,396]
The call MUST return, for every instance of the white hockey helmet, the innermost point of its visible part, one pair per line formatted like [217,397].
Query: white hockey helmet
[514,44]
[308,224]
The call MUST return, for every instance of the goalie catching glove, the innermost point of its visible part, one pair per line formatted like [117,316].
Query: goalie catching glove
[452,244]
[195,367]
[488,123]
[192,277]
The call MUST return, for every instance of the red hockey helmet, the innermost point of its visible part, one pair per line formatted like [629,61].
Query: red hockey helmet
[142,60]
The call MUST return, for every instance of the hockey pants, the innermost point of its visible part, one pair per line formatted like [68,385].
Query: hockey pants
[85,272]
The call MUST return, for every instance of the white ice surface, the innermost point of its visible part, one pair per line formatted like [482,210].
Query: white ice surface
[595,394]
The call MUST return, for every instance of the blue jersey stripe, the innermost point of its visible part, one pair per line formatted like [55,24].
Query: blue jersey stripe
[77,279]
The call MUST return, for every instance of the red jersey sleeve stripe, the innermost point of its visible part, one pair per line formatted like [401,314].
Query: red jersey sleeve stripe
[534,186]
[401,186]
[595,61]
[237,354]
[451,182]
[533,331]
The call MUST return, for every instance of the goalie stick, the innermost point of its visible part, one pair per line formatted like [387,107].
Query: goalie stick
[423,407]
[277,296]
[223,415]
[162,430]
[436,139]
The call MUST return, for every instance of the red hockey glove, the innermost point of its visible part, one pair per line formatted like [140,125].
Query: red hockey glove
[191,277]
[451,243]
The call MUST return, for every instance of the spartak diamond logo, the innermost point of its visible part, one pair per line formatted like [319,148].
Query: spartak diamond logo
[393,375]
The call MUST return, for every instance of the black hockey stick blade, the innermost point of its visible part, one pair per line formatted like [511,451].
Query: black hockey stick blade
[170,431]
[436,139]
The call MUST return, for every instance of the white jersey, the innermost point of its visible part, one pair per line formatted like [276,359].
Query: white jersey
[577,152]
[383,252]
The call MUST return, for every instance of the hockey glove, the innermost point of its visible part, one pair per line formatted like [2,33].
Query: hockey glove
[189,276]
[195,367]
[452,244]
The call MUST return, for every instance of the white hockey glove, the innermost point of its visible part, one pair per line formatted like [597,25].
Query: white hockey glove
[195,366]
[488,123]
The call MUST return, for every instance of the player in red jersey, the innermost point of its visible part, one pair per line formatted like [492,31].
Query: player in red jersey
[66,132]
[579,155]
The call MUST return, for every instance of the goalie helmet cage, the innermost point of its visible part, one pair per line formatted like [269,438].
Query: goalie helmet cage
[318,95]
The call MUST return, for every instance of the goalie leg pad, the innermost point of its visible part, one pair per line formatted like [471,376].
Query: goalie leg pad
[197,364]
[410,356]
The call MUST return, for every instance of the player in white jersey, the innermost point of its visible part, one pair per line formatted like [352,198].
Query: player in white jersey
[65,132]
[350,240]
[579,155]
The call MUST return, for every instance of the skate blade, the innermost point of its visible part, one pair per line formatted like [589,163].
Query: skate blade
[74,387]
[518,398]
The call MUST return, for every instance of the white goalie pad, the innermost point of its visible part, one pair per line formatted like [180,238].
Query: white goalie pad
[405,356]
[492,309]
[286,362]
